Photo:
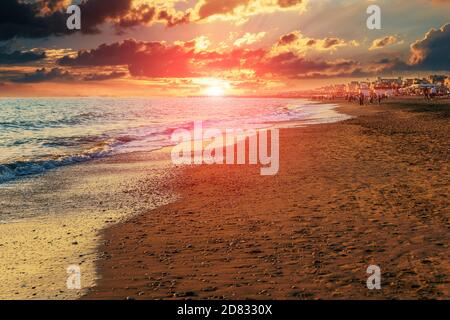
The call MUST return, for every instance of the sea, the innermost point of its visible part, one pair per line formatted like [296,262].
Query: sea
[41,134]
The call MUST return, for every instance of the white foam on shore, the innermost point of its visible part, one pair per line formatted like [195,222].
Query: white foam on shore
[53,221]
[318,113]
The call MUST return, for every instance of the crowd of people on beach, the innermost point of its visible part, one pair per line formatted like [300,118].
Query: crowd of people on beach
[429,93]
[431,88]
[367,98]
[363,99]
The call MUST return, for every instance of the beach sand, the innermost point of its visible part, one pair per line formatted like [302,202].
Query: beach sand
[372,190]
[52,221]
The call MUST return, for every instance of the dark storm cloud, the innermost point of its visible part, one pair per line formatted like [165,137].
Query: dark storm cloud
[29,20]
[433,51]
[119,53]
[18,19]
[147,59]
[59,75]
[18,57]
[95,12]
[44,75]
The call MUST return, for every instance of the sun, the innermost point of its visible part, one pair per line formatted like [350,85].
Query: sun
[215,91]
[213,87]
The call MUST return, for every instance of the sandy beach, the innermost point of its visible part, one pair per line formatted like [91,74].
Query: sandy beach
[372,190]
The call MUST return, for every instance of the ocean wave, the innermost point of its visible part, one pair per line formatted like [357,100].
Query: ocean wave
[12,171]
[52,133]
[95,148]
[36,124]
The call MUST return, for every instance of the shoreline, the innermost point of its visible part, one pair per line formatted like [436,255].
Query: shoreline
[61,215]
[54,219]
[348,195]
[133,183]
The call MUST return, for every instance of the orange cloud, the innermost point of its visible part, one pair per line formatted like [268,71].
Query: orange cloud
[188,60]
[299,43]
[383,42]
[241,10]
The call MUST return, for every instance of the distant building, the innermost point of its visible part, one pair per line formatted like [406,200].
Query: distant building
[415,82]
[389,83]
[388,87]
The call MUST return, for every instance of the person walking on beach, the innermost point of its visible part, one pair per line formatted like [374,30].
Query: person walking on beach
[433,93]
[426,94]
[361,99]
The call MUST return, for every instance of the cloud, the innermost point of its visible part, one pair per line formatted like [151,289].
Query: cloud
[383,42]
[433,51]
[146,59]
[285,59]
[47,17]
[18,57]
[119,53]
[37,19]
[105,76]
[174,18]
[61,75]
[142,14]
[208,8]
[290,65]
[145,14]
[188,60]
[249,38]
[43,18]
[231,10]
[328,43]
[21,19]
[44,75]
[96,12]
[287,39]
[297,42]
[241,10]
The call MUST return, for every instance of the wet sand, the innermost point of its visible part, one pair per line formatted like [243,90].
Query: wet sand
[52,221]
[372,190]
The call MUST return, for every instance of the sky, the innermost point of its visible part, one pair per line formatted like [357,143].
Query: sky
[215,47]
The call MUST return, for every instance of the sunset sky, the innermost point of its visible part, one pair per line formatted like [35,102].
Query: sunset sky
[214,47]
